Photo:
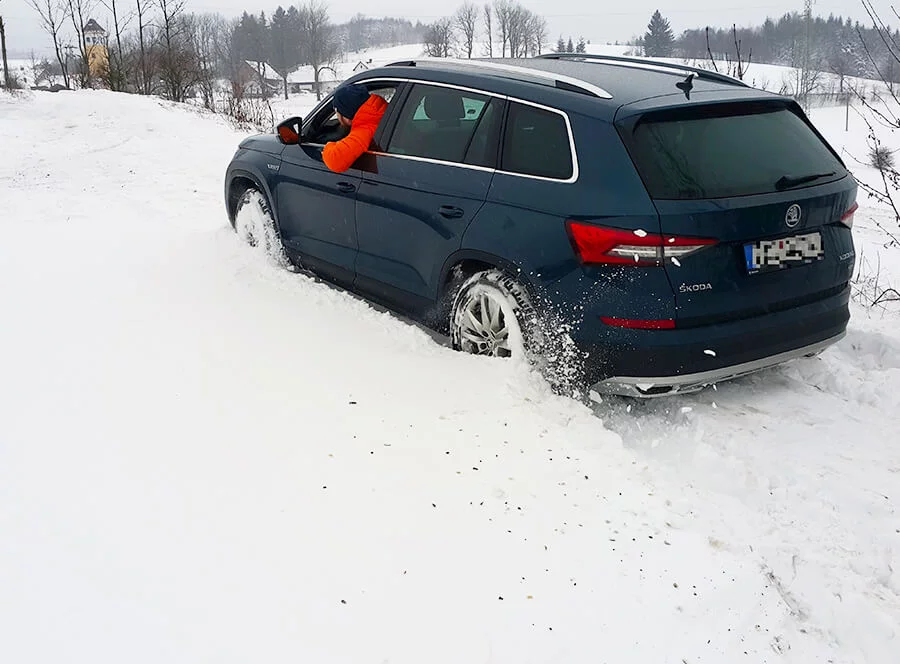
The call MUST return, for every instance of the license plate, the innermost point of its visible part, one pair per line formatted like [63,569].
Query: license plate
[767,255]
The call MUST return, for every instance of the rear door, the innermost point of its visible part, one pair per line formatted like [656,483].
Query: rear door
[765,192]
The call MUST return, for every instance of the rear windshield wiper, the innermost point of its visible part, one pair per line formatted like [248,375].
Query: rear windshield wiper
[786,181]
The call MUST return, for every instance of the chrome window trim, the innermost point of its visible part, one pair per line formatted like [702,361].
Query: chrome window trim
[573,152]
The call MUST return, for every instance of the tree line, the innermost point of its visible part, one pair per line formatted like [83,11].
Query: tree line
[836,45]
[160,47]
[507,24]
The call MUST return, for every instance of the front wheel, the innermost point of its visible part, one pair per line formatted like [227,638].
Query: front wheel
[255,224]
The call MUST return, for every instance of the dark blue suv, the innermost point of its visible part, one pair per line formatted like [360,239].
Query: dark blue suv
[646,228]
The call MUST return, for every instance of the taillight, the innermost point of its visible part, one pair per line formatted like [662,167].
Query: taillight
[596,245]
[640,324]
[847,219]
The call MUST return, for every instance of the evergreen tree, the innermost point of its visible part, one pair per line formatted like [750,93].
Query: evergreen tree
[659,42]
[570,47]
[284,42]
[561,45]
[581,48]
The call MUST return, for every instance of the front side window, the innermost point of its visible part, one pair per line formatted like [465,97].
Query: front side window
[324,127]
[438,123]
[537,143]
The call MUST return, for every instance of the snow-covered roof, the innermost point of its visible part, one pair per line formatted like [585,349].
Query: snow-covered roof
[264,68]
[306,74]
[93,26]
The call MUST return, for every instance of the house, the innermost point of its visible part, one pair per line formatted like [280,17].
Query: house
[256,79]
[95,39]
[303,79]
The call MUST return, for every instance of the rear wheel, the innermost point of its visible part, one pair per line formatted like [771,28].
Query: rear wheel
[255,224]
[493,315]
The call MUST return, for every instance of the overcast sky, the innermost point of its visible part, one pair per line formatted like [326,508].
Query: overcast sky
[576,17]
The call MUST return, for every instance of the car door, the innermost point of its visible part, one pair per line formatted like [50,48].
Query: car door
[420,194]
[316,207]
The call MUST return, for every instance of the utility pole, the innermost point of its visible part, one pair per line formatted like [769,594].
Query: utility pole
[7,77]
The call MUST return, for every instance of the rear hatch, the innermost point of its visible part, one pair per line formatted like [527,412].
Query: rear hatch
[768,201]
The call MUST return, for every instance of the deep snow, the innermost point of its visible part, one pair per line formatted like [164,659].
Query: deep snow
[203,458]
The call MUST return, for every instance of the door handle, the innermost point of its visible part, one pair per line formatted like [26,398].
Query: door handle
[450,212]
[346,187]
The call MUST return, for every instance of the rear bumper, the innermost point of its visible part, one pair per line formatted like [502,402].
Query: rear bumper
[658,386]
[647,363]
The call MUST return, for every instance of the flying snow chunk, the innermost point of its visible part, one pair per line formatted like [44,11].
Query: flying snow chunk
[686,409]
[676,261]
[641,232]
[711,353]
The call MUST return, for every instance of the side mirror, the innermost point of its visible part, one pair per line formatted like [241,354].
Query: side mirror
[289,131]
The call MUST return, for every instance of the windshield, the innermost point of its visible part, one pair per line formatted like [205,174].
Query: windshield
[734,150]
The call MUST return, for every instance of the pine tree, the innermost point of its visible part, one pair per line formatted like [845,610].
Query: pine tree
[581,48]
[659,42]
[561,45]
[570,47]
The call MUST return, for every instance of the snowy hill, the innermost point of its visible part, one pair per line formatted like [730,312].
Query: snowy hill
[204,458]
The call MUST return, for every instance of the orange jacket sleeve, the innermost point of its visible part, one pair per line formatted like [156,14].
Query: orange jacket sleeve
[341,155]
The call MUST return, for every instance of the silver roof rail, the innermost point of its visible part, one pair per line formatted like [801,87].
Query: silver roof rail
[642,63]
[519,73]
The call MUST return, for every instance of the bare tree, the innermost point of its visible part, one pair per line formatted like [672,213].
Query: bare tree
[517,29]
[488,13]
[118,70]
[53,14]
[7,77]
[229,57]
[467,23]
[202,33]
[178,71]
[540,34]
[146,66]
[318,36]
[79,14]
[439,38]
[503,9]
[882,116]
[737,67]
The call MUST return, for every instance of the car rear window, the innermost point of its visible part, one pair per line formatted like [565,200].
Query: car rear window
[735,150]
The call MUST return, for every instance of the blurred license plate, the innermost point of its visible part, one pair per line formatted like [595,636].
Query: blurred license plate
[768,255]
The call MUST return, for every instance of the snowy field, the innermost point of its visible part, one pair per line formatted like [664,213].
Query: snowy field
[206,459]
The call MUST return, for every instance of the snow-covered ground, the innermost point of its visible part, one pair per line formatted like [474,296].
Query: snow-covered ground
[204,458]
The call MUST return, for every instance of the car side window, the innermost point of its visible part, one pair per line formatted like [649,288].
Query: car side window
[438,123]
[537,143]
[483,146]
[325,126]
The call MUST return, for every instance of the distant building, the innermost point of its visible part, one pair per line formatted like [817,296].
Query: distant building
[95,40]
[256,79]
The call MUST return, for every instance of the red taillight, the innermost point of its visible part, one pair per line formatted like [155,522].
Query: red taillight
[633,324]
[612,246]
[847,219]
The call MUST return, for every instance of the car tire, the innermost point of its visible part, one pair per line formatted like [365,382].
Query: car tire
[523,330]
[492,314]
[255,224]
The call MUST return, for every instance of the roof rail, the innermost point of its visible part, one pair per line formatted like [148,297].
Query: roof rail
[643,63]
[513,72]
